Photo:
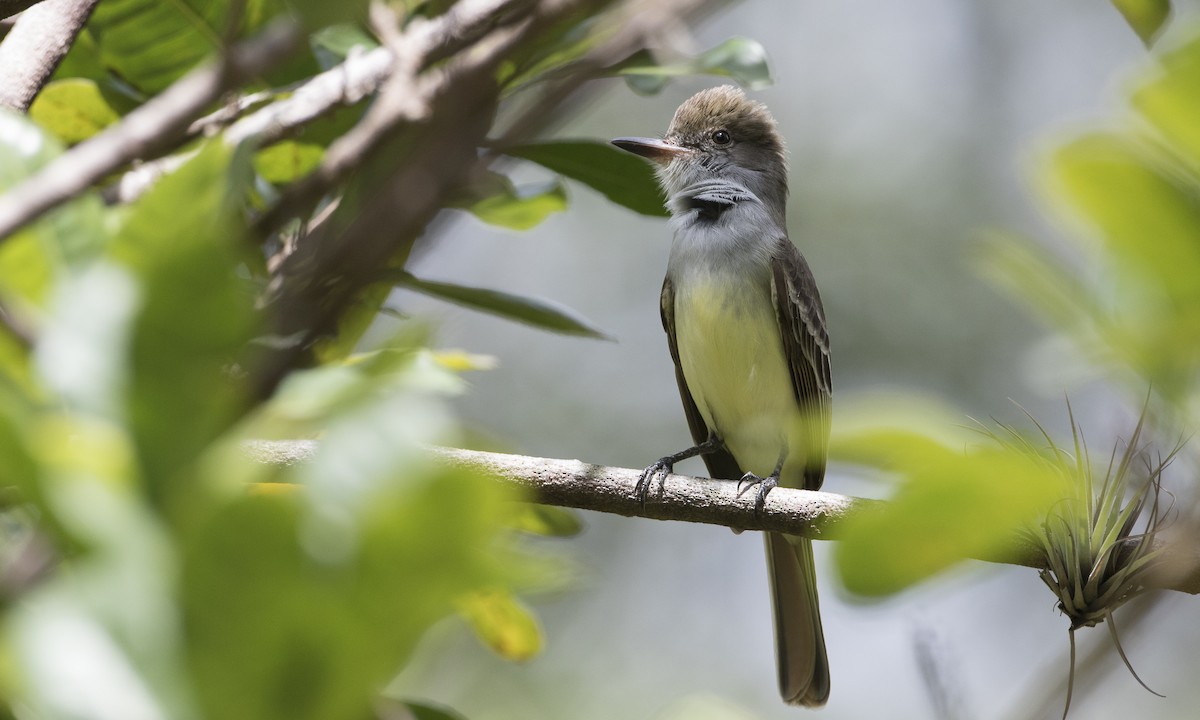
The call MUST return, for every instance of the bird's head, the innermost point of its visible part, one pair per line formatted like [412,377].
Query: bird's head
[719,134]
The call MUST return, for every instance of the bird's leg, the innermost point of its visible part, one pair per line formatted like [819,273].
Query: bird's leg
[765,484]
[666,465]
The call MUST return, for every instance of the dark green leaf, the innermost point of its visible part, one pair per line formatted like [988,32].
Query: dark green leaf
[740,59]
[152,43]
[539,313]
[353,324]
[1146,17]
[422,711]
[623,178]
[321,13]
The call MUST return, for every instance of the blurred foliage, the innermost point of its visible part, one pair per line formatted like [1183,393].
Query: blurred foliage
[739,59]
[976,498]
[179,593]
[73,109]
[1127,295]
[1129,195]
[149,567]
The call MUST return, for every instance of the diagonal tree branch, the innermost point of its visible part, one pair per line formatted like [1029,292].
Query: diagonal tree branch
[36,45]
[148,129]
[414,149]
[807,513]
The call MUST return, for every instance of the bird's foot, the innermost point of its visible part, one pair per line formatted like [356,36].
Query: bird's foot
[764,484]
[661,468]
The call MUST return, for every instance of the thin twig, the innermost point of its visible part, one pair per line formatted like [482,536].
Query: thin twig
[35,46]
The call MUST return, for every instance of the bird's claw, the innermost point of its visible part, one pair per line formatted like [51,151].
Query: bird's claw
[661,468]
[765,485]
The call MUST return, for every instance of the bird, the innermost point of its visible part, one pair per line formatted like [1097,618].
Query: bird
[747,333]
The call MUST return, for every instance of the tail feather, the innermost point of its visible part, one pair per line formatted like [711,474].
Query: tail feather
[799,639]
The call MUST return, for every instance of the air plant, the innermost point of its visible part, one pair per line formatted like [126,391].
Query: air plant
[1100,542]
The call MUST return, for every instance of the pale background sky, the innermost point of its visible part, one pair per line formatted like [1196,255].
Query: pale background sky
[912,129]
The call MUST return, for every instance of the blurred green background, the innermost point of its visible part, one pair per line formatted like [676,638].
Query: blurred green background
[913,130]
[1000,203]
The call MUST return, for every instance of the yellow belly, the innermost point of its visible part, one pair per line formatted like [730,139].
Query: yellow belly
[735,368]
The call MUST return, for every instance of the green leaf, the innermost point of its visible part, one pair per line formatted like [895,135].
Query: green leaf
[333,44]
[152,43]
[73,109]
[495,201]
[287,161]
[552,55]
[353,324]
[423,711]
[547,520]
[35,255]
[1169,100]
[1146,17]
[320,13]
[950,503]
[539,313]
[1147,218]
[302,605]
[947,509]
[623,178]
[196,315]
[503,624]
[740,59]
[107,614]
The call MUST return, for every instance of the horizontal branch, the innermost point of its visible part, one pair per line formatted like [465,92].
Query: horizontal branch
[806,513]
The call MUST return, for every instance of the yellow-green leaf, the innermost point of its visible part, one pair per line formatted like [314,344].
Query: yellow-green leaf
[502,623]
[547,520]
[72,109]
[951,504]
[287,161]
[1146,17]
[494,200]
[1168,98]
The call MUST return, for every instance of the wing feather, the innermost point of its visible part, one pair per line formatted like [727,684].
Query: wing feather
[806,345]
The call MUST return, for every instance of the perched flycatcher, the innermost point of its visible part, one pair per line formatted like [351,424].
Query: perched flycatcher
[747,333]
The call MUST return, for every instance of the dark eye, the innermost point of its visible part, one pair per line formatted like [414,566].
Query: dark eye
[721,137]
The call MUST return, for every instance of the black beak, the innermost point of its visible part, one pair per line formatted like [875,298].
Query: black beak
[659,151]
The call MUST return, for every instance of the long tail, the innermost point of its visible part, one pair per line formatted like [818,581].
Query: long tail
[799,640]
